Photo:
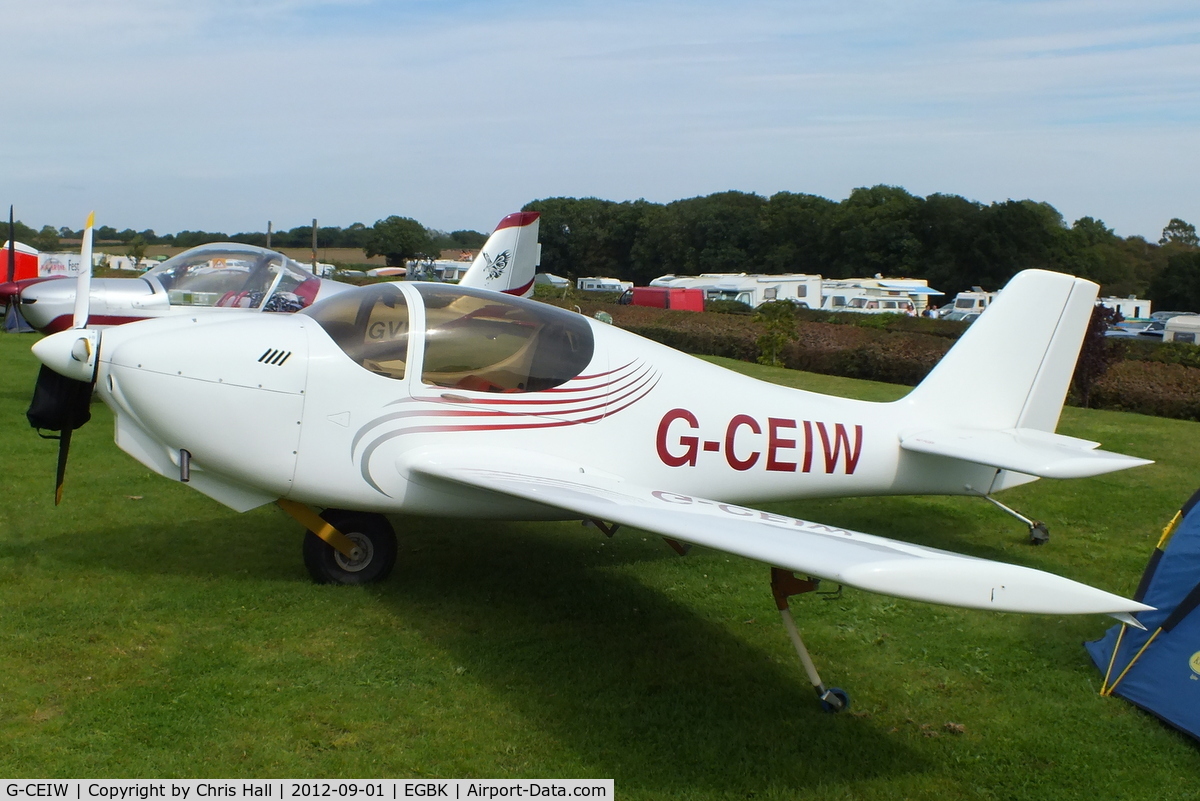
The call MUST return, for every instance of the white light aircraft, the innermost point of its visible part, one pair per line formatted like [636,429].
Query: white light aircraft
[228,276]
[434,399]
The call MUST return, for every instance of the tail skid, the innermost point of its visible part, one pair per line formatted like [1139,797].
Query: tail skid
[509,259]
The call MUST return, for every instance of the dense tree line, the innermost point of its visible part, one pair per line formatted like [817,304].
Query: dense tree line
[428,241]
[953,242]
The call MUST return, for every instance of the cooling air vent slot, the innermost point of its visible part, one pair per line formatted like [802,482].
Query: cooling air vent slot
[274,357]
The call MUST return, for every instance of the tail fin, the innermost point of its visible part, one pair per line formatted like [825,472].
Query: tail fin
[1013,366]
[509,258]
[995,398]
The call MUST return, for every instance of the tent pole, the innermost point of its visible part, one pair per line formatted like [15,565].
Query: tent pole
[1132,661]
[1112,659]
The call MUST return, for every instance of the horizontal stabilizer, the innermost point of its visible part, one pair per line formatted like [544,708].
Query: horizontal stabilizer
[859,560]
[1021,450]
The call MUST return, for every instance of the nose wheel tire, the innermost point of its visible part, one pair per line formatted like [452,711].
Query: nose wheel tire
[372,534]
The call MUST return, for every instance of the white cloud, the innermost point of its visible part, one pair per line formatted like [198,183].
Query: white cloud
[223,114]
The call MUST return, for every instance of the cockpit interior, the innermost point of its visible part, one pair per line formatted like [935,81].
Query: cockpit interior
[473,340]
[233,275]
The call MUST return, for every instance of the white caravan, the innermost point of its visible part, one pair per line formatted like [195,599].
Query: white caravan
[597,284]
[877,295]
[1182,328]
[1130,308]
[973,302]
[752,289]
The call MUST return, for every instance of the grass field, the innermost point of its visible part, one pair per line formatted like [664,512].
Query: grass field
[146,631]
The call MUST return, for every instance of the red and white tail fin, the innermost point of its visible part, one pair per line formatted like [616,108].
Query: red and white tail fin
[509,258]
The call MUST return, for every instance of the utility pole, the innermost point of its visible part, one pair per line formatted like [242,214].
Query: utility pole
[314,258]
[268,234]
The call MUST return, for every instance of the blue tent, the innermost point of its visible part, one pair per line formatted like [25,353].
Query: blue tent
[1159,669]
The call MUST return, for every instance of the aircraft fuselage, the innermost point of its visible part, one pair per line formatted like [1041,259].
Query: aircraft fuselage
[274,407]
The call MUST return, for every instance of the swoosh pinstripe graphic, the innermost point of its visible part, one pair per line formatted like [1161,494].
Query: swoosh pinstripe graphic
[615,400]
[520,290]
[582,403]
[589,377]
[608,399]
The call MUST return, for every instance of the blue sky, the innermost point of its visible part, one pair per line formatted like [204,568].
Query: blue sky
[221,115]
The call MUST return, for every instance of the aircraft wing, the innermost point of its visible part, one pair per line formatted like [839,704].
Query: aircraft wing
[1022,450]
[859,560]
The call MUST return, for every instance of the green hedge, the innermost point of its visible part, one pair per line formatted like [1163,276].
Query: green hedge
[1149,387]
[901,323]
[1152,350]
[1145,376]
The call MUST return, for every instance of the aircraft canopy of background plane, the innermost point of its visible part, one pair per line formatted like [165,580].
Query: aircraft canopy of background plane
[240,276]
[229,276]
[224,275]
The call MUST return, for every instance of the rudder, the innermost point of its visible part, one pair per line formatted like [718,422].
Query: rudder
[509,259]
[1013,366]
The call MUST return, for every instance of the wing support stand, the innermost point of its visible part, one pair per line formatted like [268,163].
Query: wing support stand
[678,547]
[785,584]
[1038,533]
[607,529]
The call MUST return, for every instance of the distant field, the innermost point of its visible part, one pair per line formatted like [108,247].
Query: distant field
[146,631]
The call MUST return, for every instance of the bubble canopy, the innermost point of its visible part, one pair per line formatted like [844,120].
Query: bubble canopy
[234,275]
[474,340]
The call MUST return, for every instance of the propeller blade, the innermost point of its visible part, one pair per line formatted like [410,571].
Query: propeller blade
[61,402]
[69,363]
[12,246]
[64,445]
[83,286]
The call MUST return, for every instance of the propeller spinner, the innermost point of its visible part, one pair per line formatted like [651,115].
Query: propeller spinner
[69,358]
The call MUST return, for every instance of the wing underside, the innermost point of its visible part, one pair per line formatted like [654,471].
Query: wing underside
[859,560]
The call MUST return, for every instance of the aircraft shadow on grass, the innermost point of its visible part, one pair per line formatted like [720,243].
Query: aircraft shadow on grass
[624,674]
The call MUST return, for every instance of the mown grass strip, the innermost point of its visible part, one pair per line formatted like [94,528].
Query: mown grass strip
[147,631]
